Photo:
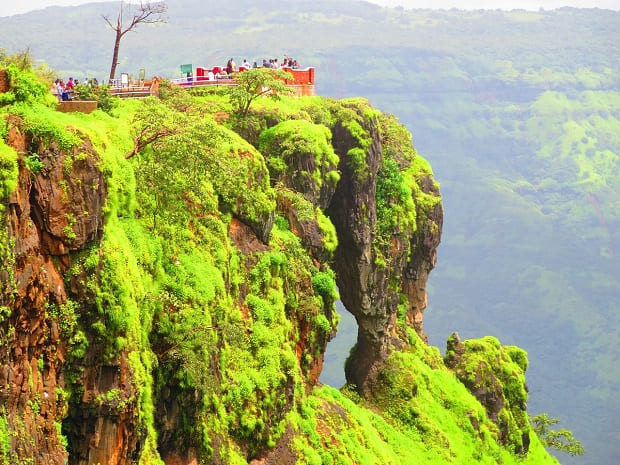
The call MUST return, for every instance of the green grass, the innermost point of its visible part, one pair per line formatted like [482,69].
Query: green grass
[235,334]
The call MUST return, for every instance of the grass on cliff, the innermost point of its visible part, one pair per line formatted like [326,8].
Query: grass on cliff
[176,301]
[231,332]
[421,414]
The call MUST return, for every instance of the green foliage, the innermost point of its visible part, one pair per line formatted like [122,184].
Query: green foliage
[338,427]
[99,94]
[33,163]
[66,317]
[330,237]
[518,355]
[396,211]
[255,83]
[8,171]
[42,122]
[226,164]
[24,86]
[324,284]
[490,370]
[562,440]
[292,145]
[5,439]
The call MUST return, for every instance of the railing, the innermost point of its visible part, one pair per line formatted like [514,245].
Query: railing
[302,83]
[218,80]
[139,89]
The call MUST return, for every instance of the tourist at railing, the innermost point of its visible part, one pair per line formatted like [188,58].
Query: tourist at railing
[231,66]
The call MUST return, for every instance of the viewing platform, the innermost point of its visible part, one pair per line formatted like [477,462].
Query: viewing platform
[124,88]
[302,82]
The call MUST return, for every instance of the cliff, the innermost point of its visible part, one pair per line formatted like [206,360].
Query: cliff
[168,286]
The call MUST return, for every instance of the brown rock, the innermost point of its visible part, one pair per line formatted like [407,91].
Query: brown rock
[44,220]
[363,283]
[4,81]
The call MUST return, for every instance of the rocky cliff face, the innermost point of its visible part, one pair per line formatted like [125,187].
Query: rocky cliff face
[373,271]
[495,376]
[175,307]
[55,210]
[373,267]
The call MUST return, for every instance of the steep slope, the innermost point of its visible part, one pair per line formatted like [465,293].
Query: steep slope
[173,303]
[516,110]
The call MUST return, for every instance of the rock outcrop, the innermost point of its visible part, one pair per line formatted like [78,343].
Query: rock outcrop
[495,376]
[373,271]
[373,267]
[55,210]
[176,306]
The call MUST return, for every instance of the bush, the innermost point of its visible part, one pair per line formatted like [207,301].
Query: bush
[100,94]
[25,85]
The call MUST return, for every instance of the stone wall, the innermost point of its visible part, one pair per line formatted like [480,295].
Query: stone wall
[84,106]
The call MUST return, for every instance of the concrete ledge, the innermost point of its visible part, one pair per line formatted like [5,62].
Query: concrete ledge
[83,106]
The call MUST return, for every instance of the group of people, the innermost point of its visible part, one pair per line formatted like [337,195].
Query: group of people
[64,90]
[287,62]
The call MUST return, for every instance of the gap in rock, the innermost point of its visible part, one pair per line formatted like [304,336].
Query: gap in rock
[338,349]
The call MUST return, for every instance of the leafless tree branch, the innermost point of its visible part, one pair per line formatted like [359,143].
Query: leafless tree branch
[145,13]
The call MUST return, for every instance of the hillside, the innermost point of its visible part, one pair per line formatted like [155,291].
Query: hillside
[517,112]
[169,280]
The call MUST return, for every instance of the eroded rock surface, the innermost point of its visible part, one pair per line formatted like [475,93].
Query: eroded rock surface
[495,376]
[367,270]
[53,212]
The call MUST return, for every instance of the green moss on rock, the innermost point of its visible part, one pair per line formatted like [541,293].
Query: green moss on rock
[211,291]
[497,380]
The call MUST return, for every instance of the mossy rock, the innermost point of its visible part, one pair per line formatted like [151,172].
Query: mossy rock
[300,156]
[495,376]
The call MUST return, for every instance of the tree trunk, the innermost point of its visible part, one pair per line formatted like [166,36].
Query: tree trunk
[117,43]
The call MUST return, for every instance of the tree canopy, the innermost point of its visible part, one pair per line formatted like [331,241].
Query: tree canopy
[257,82]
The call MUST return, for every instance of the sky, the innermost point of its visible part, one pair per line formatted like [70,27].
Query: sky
[13,7]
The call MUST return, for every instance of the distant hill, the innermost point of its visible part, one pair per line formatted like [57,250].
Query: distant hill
[518,114]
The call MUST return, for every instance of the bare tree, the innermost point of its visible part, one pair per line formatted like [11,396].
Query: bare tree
[128,18]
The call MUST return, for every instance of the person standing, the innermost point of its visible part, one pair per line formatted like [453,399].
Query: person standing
[63,93]
[231,66]
[56,90]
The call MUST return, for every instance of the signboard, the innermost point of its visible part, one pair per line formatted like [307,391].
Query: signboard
[186,68]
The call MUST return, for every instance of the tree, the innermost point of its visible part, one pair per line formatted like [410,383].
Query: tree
[145,13]
[154,121]
[255,83]
[562,440]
